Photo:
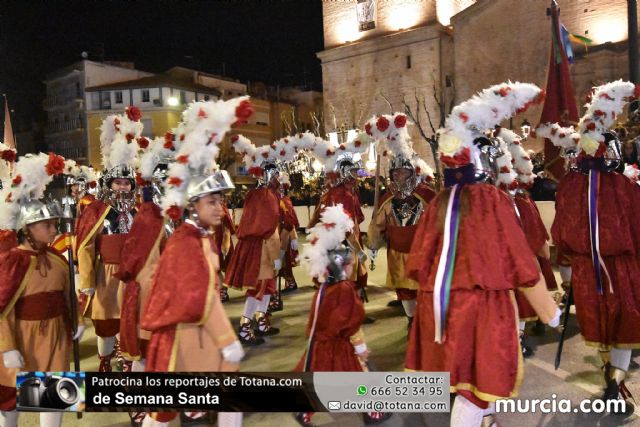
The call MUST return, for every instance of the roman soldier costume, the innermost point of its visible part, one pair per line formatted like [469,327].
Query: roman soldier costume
[521,167]
[258,257]
[395,219]
[336,341]
[343,168]
[190,330]
[595,225]
[469,266]
[103,227]
[143,244]
[35,307]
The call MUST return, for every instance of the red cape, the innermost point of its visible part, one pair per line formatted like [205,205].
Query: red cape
[182,282]
[260,219]
[14,266]
[340,316]
[88,223]
[289,217]
[147,226]
[492,252]
[532,224]
[8,240]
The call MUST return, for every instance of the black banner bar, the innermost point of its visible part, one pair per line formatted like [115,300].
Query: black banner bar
[193,391]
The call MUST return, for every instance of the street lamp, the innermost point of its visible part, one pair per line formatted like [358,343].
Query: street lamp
[526,129]
[172,101]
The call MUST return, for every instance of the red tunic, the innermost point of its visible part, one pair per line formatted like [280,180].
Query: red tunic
[537,236]
[611,319]
[219,234]
[289,221]
[480,348]
[340,316]
[260,218]
[147,231]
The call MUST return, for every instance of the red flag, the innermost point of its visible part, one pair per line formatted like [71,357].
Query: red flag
[560,103]
[8,138]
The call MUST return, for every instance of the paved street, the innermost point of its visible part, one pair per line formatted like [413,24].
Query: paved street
[579,376]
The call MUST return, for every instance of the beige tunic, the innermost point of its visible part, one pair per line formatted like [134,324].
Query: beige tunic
[44,344]
[106,302]
[197,348]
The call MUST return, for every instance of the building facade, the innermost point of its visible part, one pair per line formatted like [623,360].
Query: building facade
[382,54]
[66,103]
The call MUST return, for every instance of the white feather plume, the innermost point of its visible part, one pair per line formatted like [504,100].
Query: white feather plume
[483,111]
[205,123]
[118,136]
[152,156]
[607,103]
[30,180]
[522,164]
[326,235]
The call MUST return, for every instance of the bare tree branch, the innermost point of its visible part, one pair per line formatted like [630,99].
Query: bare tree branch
[316,123]
[285,122]
[293,118]
[387,101]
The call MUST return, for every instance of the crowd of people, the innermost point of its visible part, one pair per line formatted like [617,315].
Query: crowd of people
[155,249]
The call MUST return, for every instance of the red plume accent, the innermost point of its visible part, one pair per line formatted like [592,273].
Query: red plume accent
[55,166]
[175,213]
[175,181]
[133,113]
[243,112]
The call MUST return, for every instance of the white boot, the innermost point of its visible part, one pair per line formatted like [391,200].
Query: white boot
[465,414]
[229,419]
[9,418]
[51,419]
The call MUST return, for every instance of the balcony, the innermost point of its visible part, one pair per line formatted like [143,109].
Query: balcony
[61,101]
[68,126]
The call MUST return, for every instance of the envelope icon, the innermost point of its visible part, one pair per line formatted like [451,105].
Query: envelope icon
[334,406]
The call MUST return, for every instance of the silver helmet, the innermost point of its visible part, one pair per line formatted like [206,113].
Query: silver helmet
[401,187]
[613,153]
[119,172]
[202,185]
[339,258]
[485,155]
[34,211]
[348,167]
[270,172]
[121,200]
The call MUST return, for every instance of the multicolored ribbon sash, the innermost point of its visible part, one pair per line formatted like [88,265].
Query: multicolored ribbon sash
[596,258]
[447,262]
[307,360]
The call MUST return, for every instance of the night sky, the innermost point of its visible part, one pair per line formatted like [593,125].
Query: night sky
[259,40]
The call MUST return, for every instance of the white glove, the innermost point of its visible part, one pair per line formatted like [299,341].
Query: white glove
[12,359]
[233,352]
[294,244]
[277,264]
[88,291]
[79,333]
[360,348]
[555,322]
